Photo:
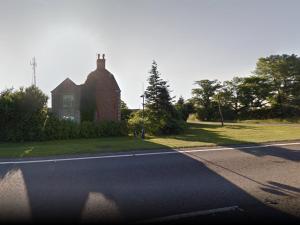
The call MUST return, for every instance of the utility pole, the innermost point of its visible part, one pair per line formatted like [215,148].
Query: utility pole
[220,111]
[34,65]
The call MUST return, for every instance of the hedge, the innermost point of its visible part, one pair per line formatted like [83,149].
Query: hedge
[65,129]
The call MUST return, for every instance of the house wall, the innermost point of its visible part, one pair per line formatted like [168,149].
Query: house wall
[58,106]
[107,95]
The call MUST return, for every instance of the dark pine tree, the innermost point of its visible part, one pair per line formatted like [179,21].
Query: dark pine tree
[161,112]
[157,94]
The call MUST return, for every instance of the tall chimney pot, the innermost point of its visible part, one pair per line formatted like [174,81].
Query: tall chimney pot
[101,62]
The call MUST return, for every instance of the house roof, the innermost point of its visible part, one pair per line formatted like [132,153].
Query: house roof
[101,73]
[67,81]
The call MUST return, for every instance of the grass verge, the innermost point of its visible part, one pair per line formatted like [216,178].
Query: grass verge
[198,134]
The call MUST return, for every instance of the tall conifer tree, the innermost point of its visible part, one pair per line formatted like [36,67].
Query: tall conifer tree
[158,99]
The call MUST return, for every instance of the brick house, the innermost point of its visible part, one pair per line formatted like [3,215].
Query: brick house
[67,97]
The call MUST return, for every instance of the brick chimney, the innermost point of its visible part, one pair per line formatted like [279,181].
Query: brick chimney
[101,62]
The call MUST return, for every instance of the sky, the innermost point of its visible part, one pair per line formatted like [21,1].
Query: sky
[189,39]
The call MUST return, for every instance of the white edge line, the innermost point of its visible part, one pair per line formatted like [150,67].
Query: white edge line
[144,154]
[191,214]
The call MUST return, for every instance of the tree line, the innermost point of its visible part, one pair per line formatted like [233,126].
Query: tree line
[272,91]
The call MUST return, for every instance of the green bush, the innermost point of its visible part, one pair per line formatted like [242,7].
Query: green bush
[52,128]
[135,123]
[156,125]
[111,128]
[88,129]
[60,129]
[174,126]
[22,114]
[66,129]
[69,129]
[184,108]
[103,129]
[125,111]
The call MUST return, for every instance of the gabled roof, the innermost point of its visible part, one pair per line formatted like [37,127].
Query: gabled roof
[67,81]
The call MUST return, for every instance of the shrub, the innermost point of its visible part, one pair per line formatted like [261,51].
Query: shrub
[135,124]
[22,114]
[184,108]
[111,128]
[60,129]
[174,126]
[67,129]
[52,128]
[164,124]
[103,129]
[88,129]
[125,111]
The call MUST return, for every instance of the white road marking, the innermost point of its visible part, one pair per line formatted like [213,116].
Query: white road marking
[144,154]
[191,214]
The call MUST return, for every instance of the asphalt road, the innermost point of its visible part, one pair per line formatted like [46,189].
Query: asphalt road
[234,184]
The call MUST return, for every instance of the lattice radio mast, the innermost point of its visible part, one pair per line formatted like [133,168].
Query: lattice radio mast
[34,65]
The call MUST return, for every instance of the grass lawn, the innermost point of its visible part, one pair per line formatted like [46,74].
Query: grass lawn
[198,134]
[271,121]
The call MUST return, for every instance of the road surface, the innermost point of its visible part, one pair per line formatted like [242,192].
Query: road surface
[241,183]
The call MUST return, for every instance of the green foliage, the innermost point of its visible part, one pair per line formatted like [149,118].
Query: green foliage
[56,129]
[52,129]
[125,111]
[204,98]
[161,117]
[111,129]
[88,102]
[184,108]
[136,122]
[254,92]
[22,114]
[272,91]
[230,97]
[88,129]
[157,94]
[282,73]
[172,125]
[165,124]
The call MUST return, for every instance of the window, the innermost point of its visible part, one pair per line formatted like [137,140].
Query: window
[68,101]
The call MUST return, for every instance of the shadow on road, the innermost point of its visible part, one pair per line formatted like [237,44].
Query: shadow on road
[130,189]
